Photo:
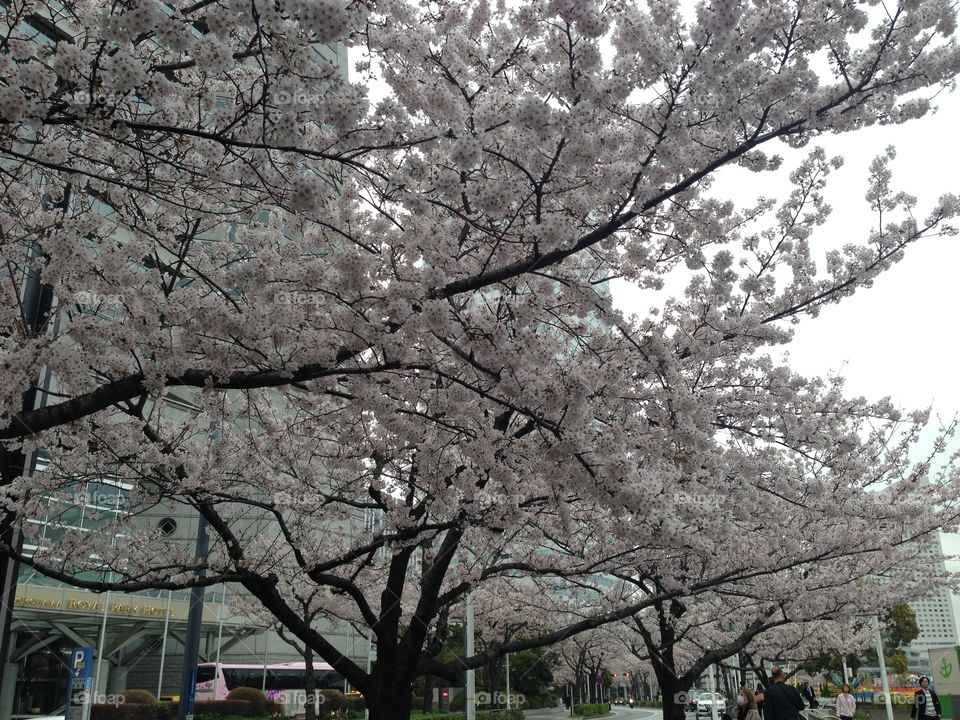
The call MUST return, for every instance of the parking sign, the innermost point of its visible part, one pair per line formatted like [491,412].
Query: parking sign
[80,686]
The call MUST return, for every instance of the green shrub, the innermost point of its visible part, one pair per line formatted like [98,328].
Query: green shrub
[511,714]
[256,698]
[334,703]
[219,708]
[591,709]
[535,702]
[139,697]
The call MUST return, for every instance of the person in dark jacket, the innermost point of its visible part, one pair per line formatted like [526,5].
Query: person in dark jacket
[810,696]
[781,701]
[926,704]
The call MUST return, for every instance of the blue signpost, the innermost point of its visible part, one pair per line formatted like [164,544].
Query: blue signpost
[80,687]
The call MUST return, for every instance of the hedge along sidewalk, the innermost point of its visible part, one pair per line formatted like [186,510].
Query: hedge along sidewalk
[512,714]
[588,710]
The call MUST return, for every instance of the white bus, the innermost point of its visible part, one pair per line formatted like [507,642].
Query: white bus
[282,682]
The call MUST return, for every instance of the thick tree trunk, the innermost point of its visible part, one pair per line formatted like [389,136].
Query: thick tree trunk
[309,685]
[428,693]
[673,693]
[493,683]
[392,697]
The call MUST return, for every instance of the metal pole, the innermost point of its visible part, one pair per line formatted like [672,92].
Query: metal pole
[216,672]
[713,693]
[188,676]
[163,645]
[883,672]
[266,645]
[101,643]
[191,651]
[471,699]
[508,681]
[366,709]
[846,672]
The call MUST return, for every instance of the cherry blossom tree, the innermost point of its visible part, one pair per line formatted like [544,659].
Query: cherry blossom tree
[585,658]
[789,615]
[399,309]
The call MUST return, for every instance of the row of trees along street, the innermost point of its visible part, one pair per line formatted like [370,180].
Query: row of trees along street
[396,313]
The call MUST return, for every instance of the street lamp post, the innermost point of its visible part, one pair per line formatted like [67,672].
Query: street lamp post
[163,646]
[885,682]
[188,675]
[471,699]
[713,693]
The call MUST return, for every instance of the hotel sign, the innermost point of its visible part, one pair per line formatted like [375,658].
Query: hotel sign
[64,600]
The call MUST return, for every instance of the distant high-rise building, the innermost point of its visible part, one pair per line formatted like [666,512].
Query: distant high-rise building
[934,619]
[937,629]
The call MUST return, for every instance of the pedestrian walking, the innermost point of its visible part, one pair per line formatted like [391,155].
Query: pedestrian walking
[810,695]
[746,706]
[846,703]
[781,701]
[758,698]
[926,704]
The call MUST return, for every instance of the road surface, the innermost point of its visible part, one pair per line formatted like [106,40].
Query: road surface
[622,712]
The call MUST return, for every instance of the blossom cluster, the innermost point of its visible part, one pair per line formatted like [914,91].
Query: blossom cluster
[373,340]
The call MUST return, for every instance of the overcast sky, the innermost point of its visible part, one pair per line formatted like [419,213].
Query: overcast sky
[898,338]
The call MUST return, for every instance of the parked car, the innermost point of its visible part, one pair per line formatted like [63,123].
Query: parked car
[707,701]
[692,700]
